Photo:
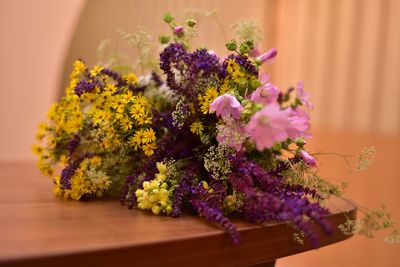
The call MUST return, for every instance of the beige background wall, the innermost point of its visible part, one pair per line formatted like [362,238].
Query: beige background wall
[34,39]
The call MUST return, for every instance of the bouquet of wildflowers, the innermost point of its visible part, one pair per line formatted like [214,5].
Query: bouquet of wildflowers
[205,133]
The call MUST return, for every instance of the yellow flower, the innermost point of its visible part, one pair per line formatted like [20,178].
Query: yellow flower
[148,149]
[130,78]
[224,88]
[37,150]
[127,97]
[144,120]
[137,111]
[99,116]
[111,88]
[211,94]
[232,66]
[95,161]
[196,127]
[125,124]
[149,136]
[136,140]
[63,160]
[118,104]
[79,67]
[205,108]
[96,70]
[141,100]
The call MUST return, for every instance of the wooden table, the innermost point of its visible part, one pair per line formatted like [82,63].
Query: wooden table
[37,229]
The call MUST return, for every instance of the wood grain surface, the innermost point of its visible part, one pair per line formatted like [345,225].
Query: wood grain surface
[39,229]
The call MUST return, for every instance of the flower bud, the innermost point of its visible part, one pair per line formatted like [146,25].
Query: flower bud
[231,45]
[168,18]
[164,39]
[178,30]
[267,56]
[308,159]
[191,23]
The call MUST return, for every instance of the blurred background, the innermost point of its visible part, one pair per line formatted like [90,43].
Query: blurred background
[347,53]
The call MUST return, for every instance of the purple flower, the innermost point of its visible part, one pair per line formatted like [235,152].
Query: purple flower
[83,86]
[73,144]
[268,56]
[308,159]
[269,125]
[265,94]
[225,105]
[242,61]
[303,96]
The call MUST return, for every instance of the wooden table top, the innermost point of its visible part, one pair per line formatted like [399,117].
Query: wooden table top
[38,229]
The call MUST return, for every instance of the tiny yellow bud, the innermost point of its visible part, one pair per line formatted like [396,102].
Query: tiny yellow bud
[139,193]
[146,185]
[161,177]
[205,185]
[156,210]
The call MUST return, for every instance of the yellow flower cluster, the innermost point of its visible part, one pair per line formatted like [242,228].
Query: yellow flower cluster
[67,115]
[155,195]
[47,141]
[102,115]
[234,69]
[87,180]
[205,100]
[144,139]
[79,68]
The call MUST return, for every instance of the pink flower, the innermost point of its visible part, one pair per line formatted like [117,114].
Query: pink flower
[264,77]
[308,159]
[303,96]
[265,94]
[268,56]
[300,122]
[225,105]
[272,124]
[269,125]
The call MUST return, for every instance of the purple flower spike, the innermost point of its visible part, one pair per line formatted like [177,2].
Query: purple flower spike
[308,159]
[268,56]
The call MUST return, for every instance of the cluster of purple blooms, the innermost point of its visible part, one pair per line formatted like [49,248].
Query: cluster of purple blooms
[266,122]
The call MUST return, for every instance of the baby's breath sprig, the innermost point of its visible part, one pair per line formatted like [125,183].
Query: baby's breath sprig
[247,30]
[371,222]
